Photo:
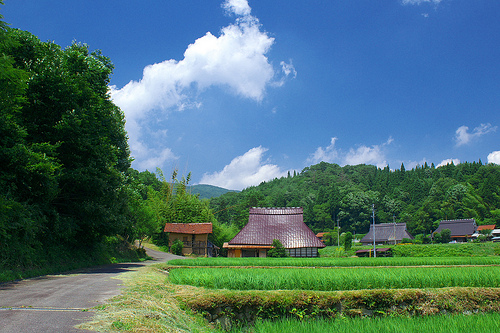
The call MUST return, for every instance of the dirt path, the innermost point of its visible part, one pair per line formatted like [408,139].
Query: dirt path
[56,303]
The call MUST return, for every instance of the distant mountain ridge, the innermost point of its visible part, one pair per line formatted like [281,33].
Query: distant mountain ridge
[208,191]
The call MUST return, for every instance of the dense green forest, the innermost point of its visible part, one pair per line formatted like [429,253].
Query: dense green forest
[420,197]
[67,190]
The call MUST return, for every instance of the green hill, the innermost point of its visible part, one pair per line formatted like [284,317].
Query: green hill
[208,191]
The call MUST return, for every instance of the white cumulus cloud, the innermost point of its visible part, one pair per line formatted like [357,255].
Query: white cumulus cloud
[238,7]
[235,59]
[329,154]
[448,161]
[463,136]
[246,170]
[494,157]
[360,155]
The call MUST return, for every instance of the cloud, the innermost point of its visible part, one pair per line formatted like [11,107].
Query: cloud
[329,154]
[246,170]
[149,159]
[366,155]
[235,59]
[494,157]
[463,137]
[238,7]
[448,161]
[361,155]
[288,69]
[419,2]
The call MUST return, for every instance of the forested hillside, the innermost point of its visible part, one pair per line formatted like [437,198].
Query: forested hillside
[207,191]
[67,192]
[421,197]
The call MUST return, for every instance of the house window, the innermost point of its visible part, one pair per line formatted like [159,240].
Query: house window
[303,252]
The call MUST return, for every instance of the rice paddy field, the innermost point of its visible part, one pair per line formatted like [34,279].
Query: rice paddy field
[438,324]
[406,293]
[332,279]
[336,262]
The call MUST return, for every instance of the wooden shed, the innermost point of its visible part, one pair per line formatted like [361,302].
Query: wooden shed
[194,236]
[266,224]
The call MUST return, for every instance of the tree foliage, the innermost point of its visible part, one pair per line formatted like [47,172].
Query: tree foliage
[420,197]
[63,148]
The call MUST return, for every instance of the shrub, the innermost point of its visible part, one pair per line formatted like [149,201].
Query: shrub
[277,251]
[446,236]
[437,238]
[347,241]
[176,247]
[407,241]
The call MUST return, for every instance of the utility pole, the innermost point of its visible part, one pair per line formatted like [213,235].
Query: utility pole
[374,247]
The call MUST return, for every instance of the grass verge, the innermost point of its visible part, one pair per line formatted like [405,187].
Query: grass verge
[147,304]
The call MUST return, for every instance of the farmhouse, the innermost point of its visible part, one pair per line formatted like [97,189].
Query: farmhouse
[194,236]
[387,233]
[266,224]
[461,230]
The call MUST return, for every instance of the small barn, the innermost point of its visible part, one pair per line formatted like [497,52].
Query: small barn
[194,236]
[461,230]
[321,235]
[386,233]
[266,224]
[487,228]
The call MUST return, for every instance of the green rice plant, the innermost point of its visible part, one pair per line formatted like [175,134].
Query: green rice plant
[437,324]
[337,279]
[336,262]
[446,250]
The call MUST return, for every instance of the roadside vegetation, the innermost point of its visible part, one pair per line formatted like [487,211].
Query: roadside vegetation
[147,304]
[111,250]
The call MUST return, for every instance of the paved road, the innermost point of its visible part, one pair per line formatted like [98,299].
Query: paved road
[55,303]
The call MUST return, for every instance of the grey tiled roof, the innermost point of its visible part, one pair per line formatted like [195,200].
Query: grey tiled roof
[285,224]
[458,227]
[386,232]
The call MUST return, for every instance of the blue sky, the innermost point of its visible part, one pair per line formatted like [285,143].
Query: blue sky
[241,92]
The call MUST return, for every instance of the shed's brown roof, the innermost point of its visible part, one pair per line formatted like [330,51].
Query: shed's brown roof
[285,224]
[486,227]
[189,228]
[458,228]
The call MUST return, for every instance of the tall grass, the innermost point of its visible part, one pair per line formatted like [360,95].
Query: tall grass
[338,262]
[437,324]
[337,279]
